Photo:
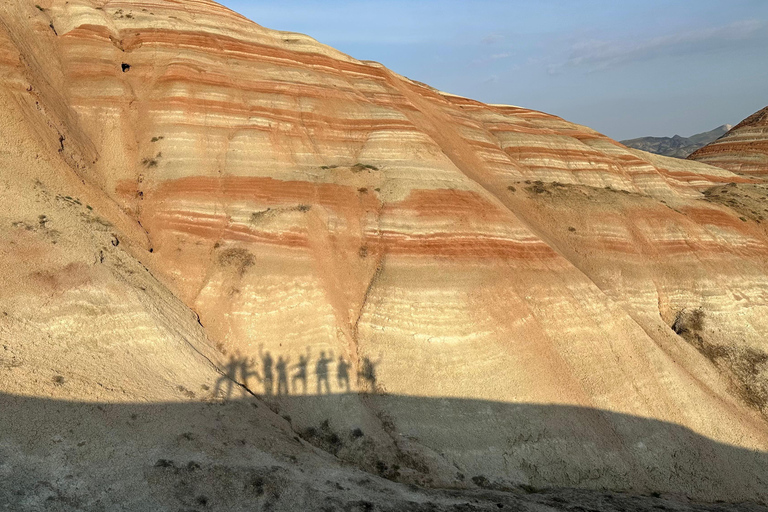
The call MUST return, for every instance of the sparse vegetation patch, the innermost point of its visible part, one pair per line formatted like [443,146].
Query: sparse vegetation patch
[240,259]
[323,437]
[537,188]
[746,366]
[748,200]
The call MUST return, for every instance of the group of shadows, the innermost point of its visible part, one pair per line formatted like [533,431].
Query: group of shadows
[240,369]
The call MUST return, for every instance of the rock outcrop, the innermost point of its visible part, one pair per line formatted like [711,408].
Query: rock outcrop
[438,291]
[743,150]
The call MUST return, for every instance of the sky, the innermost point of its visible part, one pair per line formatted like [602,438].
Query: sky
[623,67]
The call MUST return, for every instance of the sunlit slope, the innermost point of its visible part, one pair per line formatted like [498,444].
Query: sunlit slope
[744,149]
[81,317]
[109,387]
[339,228]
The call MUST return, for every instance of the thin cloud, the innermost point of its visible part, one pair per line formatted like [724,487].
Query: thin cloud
[493,58]
[493,39]
[598,55]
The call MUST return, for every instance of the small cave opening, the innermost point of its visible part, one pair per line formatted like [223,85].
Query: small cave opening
[125,67]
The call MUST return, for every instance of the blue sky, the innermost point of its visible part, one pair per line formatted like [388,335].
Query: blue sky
[626,68]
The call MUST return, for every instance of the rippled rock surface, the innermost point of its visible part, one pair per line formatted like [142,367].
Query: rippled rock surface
[744,149]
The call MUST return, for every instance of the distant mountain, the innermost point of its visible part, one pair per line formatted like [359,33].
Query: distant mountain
[677,146]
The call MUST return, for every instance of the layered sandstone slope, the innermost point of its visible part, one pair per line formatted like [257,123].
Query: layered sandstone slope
[108,383]
[81,317]
[341,229]
[744,149]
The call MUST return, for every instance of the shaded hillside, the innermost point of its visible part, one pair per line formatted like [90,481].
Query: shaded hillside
[171,456]
[743,150]
[201,208]
[677,146]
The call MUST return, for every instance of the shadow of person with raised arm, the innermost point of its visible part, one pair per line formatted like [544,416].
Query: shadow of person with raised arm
[246,372]
[321,371]
[266,369]
[227,378]
[301,372]
[342,374]
[281,367]
[367,373]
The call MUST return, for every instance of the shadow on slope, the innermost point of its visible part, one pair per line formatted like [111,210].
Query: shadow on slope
[239,455]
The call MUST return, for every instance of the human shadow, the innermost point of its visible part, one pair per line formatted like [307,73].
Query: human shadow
[281,367]
[268,377]
[248,370]
[321,372]
[366,375]
[239,370]
[228,378]
[301,373]
[235,373]
[342,374]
